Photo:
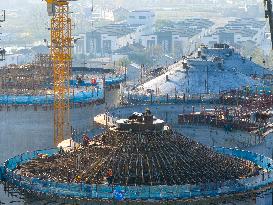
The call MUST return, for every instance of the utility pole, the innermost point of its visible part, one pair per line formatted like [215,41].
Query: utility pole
[269,15]
[2,50]
[141,73]
[207,80]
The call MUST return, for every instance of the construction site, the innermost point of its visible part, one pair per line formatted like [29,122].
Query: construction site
[196,131]
[150,163]
[27,101]
[251,115]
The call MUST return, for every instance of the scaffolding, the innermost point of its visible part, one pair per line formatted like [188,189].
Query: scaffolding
[29,79]
[245,111]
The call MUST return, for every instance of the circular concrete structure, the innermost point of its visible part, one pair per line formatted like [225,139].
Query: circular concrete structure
[148,194]
[150,164]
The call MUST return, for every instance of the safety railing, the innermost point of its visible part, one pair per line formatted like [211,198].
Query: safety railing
[144,97]
[165,99]
[100,191]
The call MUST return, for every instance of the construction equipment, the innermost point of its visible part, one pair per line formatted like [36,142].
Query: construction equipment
[61,56]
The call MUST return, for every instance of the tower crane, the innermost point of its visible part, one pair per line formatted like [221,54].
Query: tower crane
[61,56]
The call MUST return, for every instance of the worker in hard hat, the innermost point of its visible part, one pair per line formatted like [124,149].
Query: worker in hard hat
[78,179]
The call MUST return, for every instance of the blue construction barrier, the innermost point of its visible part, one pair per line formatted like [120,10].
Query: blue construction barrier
[79,97]
[161,193]
[82,97]
[110,81]
[115,80]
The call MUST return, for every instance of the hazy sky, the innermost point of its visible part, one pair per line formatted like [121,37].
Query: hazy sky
[15,4]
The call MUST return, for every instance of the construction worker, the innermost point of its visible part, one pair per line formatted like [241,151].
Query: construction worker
[85,140]
[78,179]
[109,176]
[61,151]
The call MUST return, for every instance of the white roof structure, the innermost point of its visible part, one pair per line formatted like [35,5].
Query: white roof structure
[221,71]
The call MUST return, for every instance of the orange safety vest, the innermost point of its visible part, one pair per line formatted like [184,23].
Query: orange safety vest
[109,173]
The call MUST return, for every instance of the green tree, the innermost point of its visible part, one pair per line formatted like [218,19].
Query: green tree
[141,58]
[269,60]
[123,62]
[247,48]
[258,56]
[155,51]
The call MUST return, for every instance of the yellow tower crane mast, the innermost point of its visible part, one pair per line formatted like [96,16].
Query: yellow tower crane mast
[61,56]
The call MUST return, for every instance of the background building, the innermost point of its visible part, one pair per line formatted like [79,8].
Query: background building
[178,38]
[103,41]
[238,31]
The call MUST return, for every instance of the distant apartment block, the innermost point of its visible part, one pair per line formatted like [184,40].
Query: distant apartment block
[180,37]
[238,31]
[141,17]
[177,38]
[105,40]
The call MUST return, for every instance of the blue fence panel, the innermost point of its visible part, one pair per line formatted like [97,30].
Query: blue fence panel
[168,192]
[154,193]
[104,192]
[115,80]
[78,97]
[132,192]
[45,100]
